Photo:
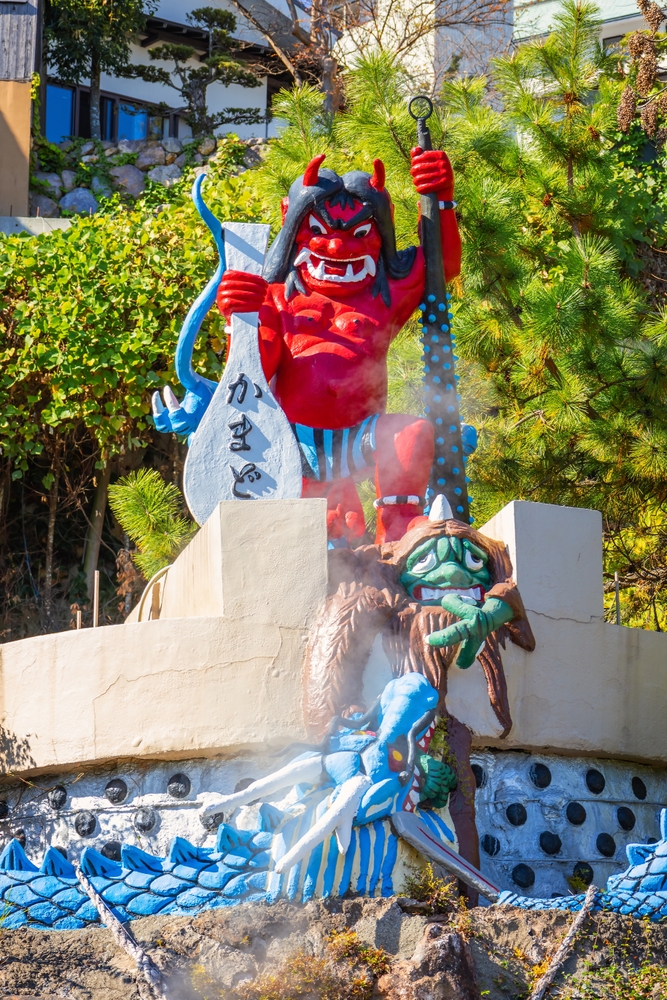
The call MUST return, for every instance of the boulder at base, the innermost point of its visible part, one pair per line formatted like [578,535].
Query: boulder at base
[80,200]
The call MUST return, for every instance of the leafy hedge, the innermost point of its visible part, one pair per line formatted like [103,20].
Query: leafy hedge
[89,319]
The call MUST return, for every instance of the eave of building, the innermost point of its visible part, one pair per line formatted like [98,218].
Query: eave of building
[535,18]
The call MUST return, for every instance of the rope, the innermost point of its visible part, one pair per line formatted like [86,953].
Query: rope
[124,938]
[543,984]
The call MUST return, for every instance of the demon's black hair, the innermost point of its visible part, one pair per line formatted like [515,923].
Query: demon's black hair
[336,190]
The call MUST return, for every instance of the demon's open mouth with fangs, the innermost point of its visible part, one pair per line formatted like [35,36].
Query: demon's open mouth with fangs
[334,269]
[447,566]
[427,594]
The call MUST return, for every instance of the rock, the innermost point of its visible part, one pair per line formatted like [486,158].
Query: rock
[171,158]
[188,140]
[93,158]
[42,205]
[52,181]
[101,187]
[180,160]
[172,145]
[152,156]
[106,144]
[251,158]
[80,200]
[255,150]
[129,179]
[131,145]
[198,158]
[65,145]
[207,147]
[441,966]
[165,175]
[68,179]
[87,147]
[111,151]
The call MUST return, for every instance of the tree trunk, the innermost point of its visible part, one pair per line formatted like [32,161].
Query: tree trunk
[94,534]
[95,127]
[50,535]
[330,84]
[5,485]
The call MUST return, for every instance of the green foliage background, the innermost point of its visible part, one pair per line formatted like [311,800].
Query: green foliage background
[563,344]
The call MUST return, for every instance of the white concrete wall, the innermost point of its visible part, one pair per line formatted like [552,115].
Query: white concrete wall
[589,687]
[220,672]
[223,681]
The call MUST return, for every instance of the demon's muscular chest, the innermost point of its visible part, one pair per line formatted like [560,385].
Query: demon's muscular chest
[329,356]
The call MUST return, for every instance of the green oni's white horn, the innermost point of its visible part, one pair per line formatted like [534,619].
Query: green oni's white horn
[440,509]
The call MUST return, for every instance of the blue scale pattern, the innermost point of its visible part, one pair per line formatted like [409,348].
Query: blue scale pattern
[191,879]
[639,891]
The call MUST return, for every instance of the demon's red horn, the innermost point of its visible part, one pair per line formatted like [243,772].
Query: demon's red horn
[377,180]
[311,172]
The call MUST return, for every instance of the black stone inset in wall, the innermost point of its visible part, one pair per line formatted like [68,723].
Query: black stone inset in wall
[606,845]
[145,819]
[490,844]
[179,786]
[550,842]
[58,797]
[84,824]
[638,788]
[111,850]
[540,775]
[575,813]
[243,783]
[516,814]
[116,791]
[4,809]
[584,872]
[211,823]
[595,781]
[20,836]
[626,818]
[480,774]
[523,876]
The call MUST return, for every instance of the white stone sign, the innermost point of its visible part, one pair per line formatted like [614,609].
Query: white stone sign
[244,447]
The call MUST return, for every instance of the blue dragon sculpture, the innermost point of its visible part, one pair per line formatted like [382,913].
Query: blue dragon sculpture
[640,891]
[326,830]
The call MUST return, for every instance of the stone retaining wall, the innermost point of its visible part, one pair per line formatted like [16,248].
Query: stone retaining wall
[162,162]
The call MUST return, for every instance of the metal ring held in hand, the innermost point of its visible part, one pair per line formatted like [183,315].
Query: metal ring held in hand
[424,105]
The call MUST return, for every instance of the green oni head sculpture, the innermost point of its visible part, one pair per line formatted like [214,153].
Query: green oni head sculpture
[444,565]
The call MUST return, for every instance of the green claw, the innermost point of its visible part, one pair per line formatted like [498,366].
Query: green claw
[439,780]
[474,626]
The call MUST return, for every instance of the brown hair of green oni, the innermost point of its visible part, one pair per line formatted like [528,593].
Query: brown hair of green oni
[367,596]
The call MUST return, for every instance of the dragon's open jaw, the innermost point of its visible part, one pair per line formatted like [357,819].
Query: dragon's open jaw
[422,593]
[412,801]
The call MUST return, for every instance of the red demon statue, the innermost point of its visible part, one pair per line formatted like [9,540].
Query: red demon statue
[335,293]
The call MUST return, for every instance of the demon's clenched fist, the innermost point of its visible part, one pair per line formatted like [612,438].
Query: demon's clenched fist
[335,292]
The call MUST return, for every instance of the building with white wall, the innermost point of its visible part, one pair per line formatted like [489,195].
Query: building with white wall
[126,102]
[467,49]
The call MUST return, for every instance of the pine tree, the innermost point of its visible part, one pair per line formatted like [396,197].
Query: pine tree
[218,66]
[150,512]
[563,354]
[86,38]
